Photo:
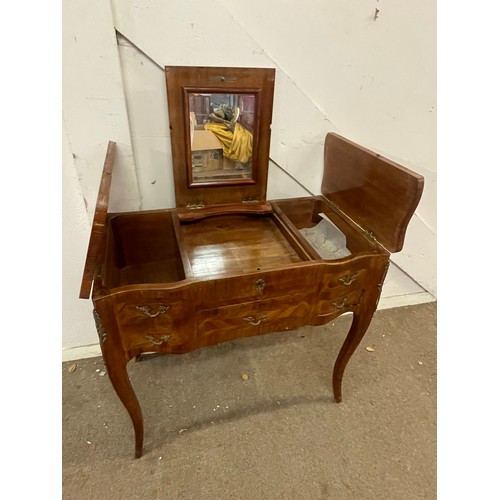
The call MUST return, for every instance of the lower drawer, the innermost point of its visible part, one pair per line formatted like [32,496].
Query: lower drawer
[168,341]
[252,318]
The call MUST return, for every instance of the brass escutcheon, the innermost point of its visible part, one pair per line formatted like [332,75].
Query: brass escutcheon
[260,284]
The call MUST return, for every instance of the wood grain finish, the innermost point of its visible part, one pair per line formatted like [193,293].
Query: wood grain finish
[171,281]
[99,230]
[262,285]
[252,318]
[377,193]
[143,249]
[189,215]
[229,244]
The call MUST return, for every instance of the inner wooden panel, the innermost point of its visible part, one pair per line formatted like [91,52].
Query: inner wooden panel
[303,213]
[235,244]
[142,248]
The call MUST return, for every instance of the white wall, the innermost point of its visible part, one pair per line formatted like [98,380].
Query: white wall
[338,69]
[77,314]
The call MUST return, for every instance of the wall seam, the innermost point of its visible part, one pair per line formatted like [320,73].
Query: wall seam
[122,81]
[278,65]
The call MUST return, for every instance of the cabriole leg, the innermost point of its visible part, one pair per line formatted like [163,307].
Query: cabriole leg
[119,378]
[116,364]
[360,322]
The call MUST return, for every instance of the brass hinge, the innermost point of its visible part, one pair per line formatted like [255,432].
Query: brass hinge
[196,205]
[369,234]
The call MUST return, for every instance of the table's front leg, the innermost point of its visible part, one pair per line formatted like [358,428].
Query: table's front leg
[116,361]
[361,320]
[119,379]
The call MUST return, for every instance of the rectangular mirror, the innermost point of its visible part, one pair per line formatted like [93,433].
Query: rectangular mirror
[220,126]
[221,129]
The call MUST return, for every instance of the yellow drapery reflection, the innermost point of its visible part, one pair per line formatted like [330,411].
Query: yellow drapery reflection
[237,145]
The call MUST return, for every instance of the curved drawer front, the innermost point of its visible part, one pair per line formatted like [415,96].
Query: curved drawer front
[153,316]
[360,272]
[156,324]
[167,342]
[257,286]
[252,318]
[330,305]
[342,280]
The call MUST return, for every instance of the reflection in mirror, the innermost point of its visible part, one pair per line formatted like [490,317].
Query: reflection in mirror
[221,132]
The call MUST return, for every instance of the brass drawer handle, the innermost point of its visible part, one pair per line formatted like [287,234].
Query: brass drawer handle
[340,305]
[348,280]
[260,284]
[146,310]
[256,322]
[162,340]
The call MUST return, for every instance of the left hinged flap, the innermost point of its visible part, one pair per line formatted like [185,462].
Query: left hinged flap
[98,231]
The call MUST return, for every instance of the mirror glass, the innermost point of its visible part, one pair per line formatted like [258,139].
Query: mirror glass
[221,133]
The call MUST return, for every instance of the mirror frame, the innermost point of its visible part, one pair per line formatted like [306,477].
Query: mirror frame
[184,80]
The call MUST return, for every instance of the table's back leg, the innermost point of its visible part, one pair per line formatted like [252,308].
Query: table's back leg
[360,322]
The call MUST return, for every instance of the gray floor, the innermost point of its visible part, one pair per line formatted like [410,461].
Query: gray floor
[209,434]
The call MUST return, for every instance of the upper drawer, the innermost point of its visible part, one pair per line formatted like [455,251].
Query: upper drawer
[154,311]
[257,286]
[358,272]
[348,279]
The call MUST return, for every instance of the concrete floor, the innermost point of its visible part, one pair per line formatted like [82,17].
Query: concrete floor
[209,434]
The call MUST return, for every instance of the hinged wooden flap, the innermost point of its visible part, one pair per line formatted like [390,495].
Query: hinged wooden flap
[98,231]
[376,193]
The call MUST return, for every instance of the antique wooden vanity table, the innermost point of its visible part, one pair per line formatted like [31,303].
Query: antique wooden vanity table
[226,263]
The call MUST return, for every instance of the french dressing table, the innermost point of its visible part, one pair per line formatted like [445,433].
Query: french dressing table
[227,263]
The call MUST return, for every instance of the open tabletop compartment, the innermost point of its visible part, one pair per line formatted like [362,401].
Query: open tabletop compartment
[157,248]
[141,248]
[325,233]
[233,244]
[366,203]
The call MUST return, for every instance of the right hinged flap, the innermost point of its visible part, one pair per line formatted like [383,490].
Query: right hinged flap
[98,231]
[376,193]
